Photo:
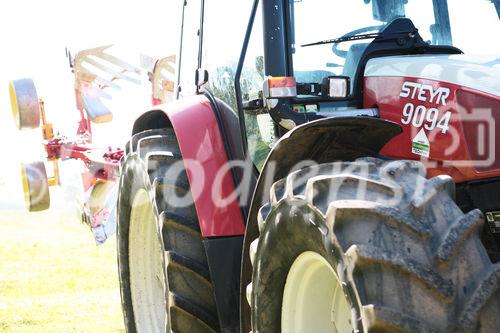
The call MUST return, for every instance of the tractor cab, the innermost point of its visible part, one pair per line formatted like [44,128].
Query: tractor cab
[322,47]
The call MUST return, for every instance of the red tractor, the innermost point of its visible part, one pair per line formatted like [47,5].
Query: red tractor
[331,186]
[300,183]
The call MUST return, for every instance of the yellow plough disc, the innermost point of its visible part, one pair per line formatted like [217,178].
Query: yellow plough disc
[35,186]
[25,104]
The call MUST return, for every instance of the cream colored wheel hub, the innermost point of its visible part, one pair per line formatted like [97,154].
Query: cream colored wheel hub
[146,262]
[313,299]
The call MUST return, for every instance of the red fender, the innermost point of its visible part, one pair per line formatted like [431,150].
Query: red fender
[200,140]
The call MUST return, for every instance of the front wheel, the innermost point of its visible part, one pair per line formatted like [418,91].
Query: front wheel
[165,282]
[370,246]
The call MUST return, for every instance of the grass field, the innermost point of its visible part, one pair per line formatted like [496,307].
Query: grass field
[53,278]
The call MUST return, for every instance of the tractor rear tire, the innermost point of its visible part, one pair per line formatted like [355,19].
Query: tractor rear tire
[24,103]
[164,277]
[370,246]
[35,186]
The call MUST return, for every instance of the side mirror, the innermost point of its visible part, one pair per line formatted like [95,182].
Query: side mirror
[201,77]
[336,87]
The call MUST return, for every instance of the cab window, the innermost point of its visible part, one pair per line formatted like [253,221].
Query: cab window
[190,46]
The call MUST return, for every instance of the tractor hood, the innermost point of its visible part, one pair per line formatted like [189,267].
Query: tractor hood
[448,109]
[460,70]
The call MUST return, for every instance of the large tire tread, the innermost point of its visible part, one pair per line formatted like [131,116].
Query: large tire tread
[191,299]
[417,265]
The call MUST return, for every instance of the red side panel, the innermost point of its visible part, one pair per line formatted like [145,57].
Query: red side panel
[202,149]
[459,124]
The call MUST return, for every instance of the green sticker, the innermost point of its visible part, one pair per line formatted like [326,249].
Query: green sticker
[420,144]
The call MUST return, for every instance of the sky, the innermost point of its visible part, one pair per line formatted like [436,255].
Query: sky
[34,35]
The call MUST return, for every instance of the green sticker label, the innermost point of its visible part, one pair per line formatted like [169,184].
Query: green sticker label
[420,144]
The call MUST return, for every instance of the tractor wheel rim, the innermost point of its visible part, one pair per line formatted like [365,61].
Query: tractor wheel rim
[146,263]
[313,298]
